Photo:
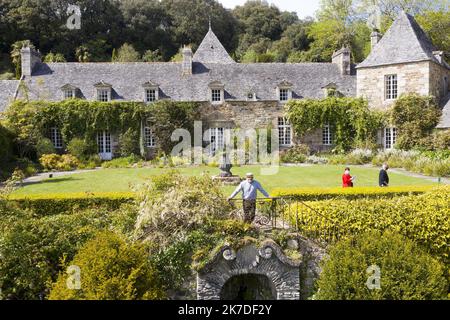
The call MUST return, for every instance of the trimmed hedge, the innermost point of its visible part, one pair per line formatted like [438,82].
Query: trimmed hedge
[317,194]
[423,218]
[57,203]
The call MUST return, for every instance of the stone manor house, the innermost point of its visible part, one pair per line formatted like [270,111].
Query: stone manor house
[238,95]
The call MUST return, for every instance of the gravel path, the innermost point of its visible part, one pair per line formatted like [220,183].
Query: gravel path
[46,175]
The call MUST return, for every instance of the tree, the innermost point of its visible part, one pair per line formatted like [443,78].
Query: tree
[127,53]
[54,57]
[16,55]
[152,56]
[189,22]
[437,25]
[93,51]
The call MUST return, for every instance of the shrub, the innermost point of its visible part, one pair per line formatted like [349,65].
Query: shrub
[316,194]
[52,162]
[297,154]
[128,143]
[91,162]
[316,160]
[54,204]
[422,218]
[111,269]
[407,272]
[175,204]
[44,146]
[81,148]
[415,117]
[125,162]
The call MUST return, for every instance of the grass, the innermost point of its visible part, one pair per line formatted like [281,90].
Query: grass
[121,180]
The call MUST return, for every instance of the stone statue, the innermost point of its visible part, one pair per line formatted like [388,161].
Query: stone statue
[225,166]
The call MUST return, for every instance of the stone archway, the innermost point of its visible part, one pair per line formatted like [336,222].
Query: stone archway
[257,271]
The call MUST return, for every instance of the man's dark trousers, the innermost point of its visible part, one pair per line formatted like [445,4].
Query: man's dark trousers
[249,210]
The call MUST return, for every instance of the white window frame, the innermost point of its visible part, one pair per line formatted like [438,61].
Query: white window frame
[284,94]
[390,138]
[56,138]
[216,95]
[101,94]
[151,95]
[391,87]
[216,140]
[69,93]
[327,139]
[284,132]
[149,137]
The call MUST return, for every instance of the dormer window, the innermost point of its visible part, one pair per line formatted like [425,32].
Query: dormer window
[151,92]
[103,95]
[69,91]
[251,96]
[216,95]
[284,95]
[284,91]
[216,92]
[103,91]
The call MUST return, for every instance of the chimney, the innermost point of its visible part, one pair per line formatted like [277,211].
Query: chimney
[30,59]
[439,55]
[342,59]
[187,61]
[375,37]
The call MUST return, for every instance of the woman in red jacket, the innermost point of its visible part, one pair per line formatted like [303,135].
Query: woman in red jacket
[347,179]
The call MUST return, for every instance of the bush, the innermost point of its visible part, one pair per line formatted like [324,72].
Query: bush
[174,204]
[44,146]
[125,162]
[316,194]
[296,154]
[111,269]
[415,117]
[128,143]
[80,148]
[356,157]
[407,272]
[53,162]
[54,204]
[91,162]
[422,218]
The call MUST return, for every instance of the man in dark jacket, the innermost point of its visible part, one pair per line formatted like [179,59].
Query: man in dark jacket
[383,179]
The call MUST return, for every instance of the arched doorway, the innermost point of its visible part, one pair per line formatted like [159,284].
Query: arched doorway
[248,287]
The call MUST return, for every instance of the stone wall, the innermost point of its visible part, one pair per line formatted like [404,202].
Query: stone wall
[437,74]
[411,77]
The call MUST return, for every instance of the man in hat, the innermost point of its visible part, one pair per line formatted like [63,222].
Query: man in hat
[249,188]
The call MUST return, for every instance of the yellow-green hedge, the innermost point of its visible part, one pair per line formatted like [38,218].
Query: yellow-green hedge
[424,218]
[56,203]
[313,194]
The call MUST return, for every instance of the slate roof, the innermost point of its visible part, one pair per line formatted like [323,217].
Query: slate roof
[404,42]
[211,50]
[445,120]
[127,80]
[7,90]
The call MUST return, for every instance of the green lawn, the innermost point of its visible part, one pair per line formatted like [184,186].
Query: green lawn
[110,180]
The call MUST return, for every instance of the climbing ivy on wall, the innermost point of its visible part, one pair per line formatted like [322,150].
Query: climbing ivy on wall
[30,121]
[352,122]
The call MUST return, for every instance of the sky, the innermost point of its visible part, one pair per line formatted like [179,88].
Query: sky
[303,8]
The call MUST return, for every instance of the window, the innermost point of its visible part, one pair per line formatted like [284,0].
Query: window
[284,94]
[104,142]
[216,95]
[284,132]
[391,87]
[326,135]
[390,137]
[103,95]
[216,139]
[56,138]
[149,138]
[150,95]
[69,93]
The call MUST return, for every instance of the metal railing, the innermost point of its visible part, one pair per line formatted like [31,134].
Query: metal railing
[293,216]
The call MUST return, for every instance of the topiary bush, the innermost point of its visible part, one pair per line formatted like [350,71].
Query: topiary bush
[407,272]
[111,269]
